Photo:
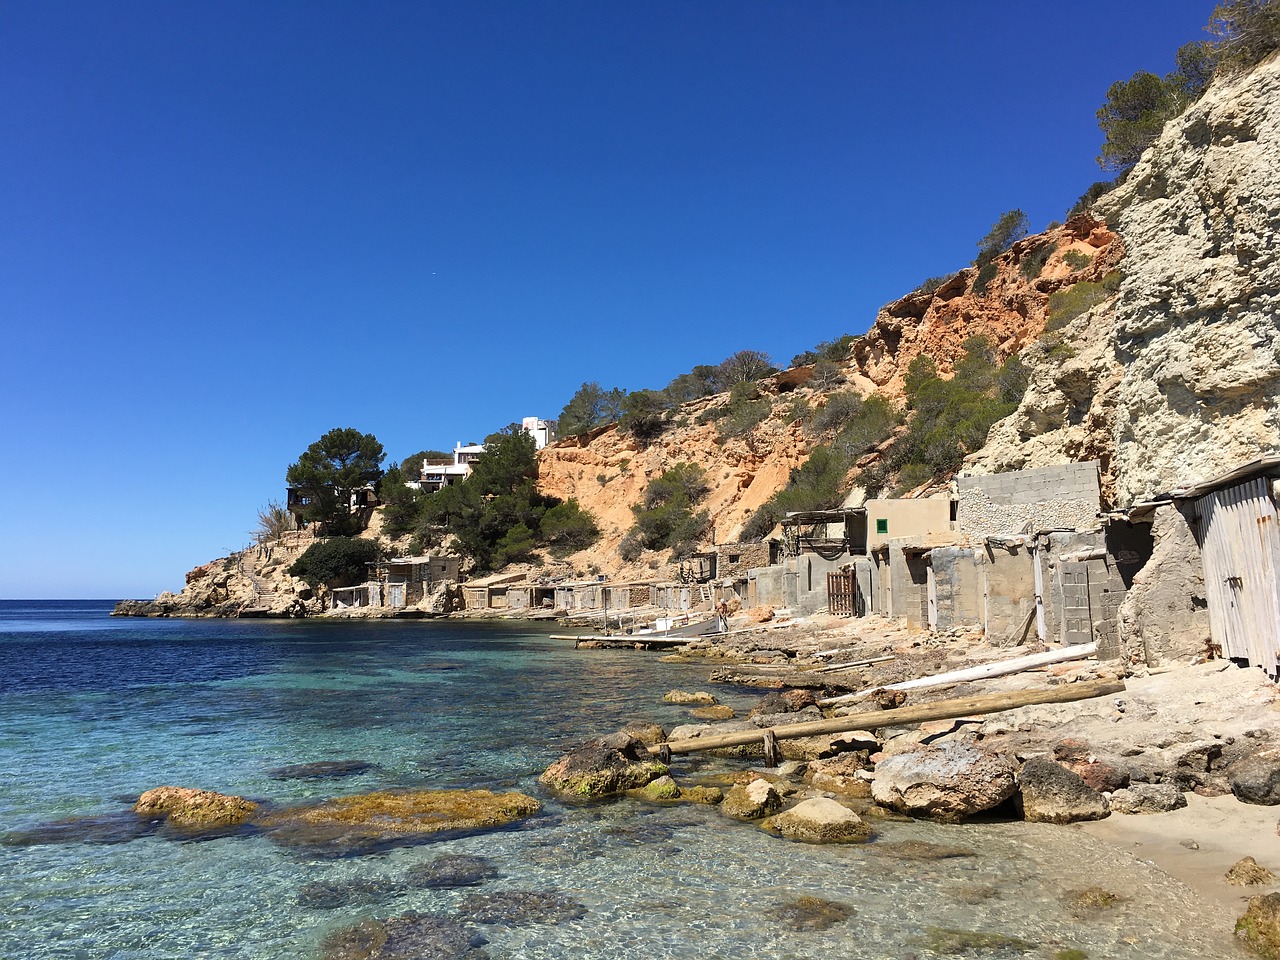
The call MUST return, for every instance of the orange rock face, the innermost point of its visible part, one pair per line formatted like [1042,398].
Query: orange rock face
[607,471]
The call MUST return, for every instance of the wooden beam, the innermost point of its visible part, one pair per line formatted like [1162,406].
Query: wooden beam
[982,672]
[873,719]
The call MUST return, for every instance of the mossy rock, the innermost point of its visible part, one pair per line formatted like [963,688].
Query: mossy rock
[664,788]
[1259,928]
[603,768]
[702,794]
[191,809]
[356,824]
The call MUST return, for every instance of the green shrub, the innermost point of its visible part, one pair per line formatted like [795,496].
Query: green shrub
[800,411]
[739,416]
[1076,259]
[1090,197]
[839,408]
[986,273]
[567,528]
[666,518]
[336,562]
[644,415]
[836,351]
[931,284]
[951,418]
[1033,264]
[1247,32]
[1079,298]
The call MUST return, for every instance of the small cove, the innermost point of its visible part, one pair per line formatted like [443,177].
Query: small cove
[96,710]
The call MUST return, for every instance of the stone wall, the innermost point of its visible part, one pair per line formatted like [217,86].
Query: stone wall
[733,560]
[1062,496]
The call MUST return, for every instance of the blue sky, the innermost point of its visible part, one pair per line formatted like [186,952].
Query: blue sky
[227,227]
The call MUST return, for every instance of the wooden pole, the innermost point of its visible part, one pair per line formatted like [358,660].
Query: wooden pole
[984,671]
[873,719]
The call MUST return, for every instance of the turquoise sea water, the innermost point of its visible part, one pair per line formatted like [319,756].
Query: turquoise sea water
[93,711]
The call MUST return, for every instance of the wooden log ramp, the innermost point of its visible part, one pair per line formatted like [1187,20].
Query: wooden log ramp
[874,719]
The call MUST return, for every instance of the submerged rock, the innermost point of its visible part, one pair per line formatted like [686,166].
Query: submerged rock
[321,770]
[922,850]
[516,908]
[1050,793]
[702,793]
[410,936]
[948,783]
[189,809]
[809,913]
[602,768]
[331,895]
[108,828]
[370,821]
[946,940]
[451,870]
[820,820]
[1091,900]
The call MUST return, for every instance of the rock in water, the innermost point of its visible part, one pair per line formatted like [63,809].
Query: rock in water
[751,801]
[367,822]
[820,820]
[602,768]
[1053,794]
[685,697]
[1259,928]
[664,788]
[949,783]
[1248,872]
[190,809]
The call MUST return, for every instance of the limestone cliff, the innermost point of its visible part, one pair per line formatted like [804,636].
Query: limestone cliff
[1176,379]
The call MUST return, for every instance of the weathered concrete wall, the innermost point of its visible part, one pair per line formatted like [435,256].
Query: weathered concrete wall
[1165,615]
[1083,596]
[765,587]
[905,519]
[958,581]
[908,585]
[1066,495]
[806,584]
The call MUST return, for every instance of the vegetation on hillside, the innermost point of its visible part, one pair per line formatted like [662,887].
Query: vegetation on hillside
[336,562]
[329,471]
[666,519]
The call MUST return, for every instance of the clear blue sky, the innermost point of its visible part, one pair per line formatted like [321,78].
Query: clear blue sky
[226,227]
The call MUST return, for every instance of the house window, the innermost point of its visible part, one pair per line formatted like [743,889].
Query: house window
[735,557]
[882,525]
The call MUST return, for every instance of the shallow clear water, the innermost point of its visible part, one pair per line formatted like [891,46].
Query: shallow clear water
[93,711]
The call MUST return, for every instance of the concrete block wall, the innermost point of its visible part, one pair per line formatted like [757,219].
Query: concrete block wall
[1066,495]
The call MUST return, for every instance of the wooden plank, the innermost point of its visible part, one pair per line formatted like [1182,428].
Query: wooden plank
[982,672]
[875,719]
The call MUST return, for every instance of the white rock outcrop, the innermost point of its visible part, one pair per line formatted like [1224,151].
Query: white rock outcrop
[1197,322]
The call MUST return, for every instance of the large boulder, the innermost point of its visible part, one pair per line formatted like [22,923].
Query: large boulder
[371,821]
[845,773]
[1102,772]
[1141,798]
[949,783]
[820,820]
[1053,794]
[602,768]
[186,808]
[1255,778]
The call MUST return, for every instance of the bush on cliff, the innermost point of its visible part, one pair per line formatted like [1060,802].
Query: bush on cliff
[666,520]
[330,471]
[336,562]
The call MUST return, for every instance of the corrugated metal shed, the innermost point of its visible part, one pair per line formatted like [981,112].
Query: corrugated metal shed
[1239,535]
